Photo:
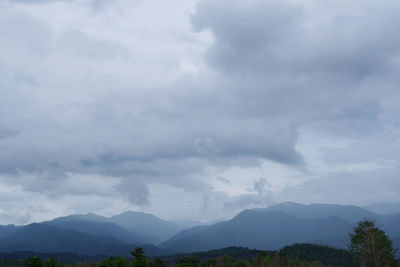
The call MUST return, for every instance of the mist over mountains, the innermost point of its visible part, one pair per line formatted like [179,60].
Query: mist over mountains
[384,208]
[267,229]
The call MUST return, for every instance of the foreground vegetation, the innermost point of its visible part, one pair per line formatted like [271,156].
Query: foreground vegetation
[286,257]
[370,247]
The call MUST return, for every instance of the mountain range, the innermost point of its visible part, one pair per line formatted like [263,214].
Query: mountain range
[283,224]
[268,228]
[384,208]
[90,234]
[132,227]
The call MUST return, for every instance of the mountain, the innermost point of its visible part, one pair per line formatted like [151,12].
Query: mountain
[81,217]
[351,214]
[390,224]
[147,224]
[260,230]
[102,229]
[396,245]
[190,223]
[46,238]
[6,230]
[136,227]
[384,208]
[283,224]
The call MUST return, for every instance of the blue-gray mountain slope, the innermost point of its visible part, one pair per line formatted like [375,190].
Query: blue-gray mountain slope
[384,208]
[147,224]
[280,225]
[6,230]
[349,213]
[103,229]
[254,229]
[50,239]
[136,227]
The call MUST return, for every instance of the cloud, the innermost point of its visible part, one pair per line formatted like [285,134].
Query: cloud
[95,5]
[359,188]
[102,96]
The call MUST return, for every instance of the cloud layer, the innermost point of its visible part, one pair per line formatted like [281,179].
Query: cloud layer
[210,106]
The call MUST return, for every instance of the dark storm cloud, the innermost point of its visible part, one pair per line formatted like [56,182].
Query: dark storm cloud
[246,32]
[284,63]
[273,37]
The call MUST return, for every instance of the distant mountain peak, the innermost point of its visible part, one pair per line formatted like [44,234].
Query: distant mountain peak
[135,213]
[289,204]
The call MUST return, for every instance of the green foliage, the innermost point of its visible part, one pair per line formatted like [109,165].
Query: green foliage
[139,257]
[52,263]
[121,262]
[157,262]
[34,262]
[371,246]
[12,262]
[234,252]
[188,262]
[298,255]
[312,252]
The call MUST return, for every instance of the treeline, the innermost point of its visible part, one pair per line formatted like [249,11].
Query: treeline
[234,252]
[262,260]
[324,254]
[297,255]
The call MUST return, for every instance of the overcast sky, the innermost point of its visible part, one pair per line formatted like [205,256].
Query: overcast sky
[196,109]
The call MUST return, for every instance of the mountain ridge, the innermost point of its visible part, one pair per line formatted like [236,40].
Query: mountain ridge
[282,224]
[267,228]
[44,238]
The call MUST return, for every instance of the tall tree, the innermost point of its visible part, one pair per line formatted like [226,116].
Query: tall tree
[139,257]
[34,262]
[371,245]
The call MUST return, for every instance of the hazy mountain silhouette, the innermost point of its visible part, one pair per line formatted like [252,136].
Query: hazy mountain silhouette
[147,224]
[282,224]
[270,228]
[384,208]
[257,229]
[349,213]
[6,230]
[81,217]
[103,229]
[190,223]
[137,227]
[46,238]
[390,224]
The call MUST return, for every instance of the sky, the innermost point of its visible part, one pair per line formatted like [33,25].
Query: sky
[196,109]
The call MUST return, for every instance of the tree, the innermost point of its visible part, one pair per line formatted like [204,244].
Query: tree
[121,262]
[157,262]
[139,257]
[34,262]
[187,262]
[52,263]
[371,245]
